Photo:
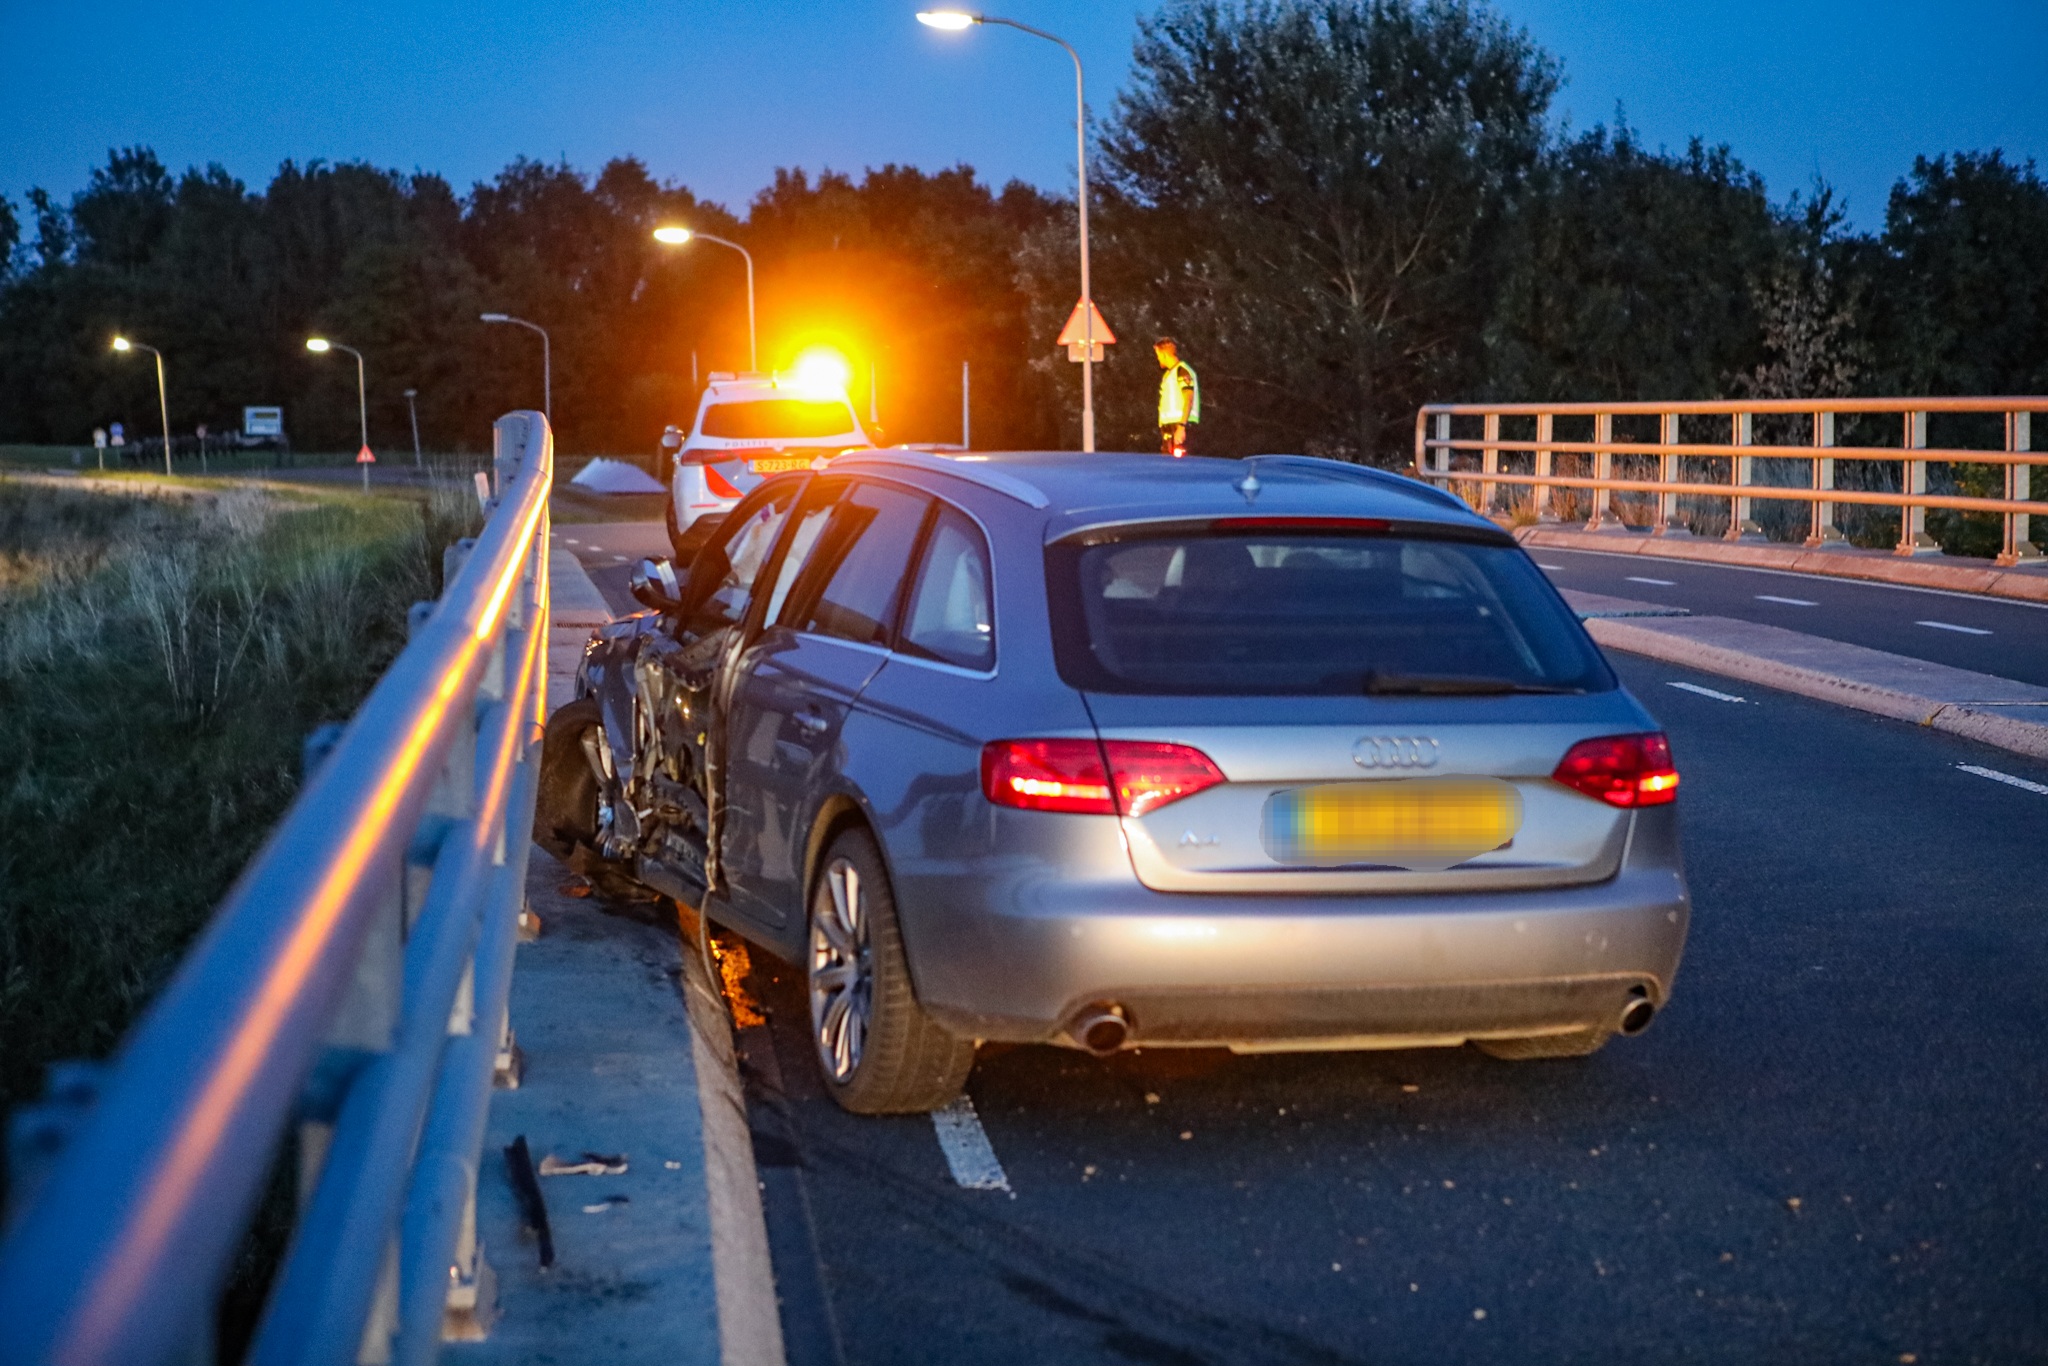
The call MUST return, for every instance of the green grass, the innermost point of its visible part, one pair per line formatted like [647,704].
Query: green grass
[161,660]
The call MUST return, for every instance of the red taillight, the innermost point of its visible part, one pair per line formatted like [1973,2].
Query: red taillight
[1621,770]
[1127,776]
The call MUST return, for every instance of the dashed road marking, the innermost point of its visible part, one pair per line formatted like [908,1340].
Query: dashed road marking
[1661,583]
[966,1146]
[1708,692]
[1789,602]
[1951,626]
[1553,568]
[620,558]
[1995,776]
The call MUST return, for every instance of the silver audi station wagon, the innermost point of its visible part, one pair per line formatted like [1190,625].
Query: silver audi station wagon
[1120,751]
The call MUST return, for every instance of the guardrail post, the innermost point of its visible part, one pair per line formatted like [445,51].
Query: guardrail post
[1545,426]
[1489,460]
[1913,537]
[2019,483]
[1823,531]
[1742,473]
[1603,470]
[1667,473]
[1443,434]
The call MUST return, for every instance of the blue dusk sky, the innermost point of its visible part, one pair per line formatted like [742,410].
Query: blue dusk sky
[717,95]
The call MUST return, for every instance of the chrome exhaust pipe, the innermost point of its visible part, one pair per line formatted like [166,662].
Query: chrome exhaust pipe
[1636,1015]
[1101,1029]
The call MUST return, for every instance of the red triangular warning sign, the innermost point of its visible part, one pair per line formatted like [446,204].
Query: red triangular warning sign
[363,457]
[1072,335]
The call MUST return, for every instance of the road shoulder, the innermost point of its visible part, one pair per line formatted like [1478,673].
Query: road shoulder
[1995,711]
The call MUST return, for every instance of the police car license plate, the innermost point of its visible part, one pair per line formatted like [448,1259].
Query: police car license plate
[779,464]
[1408,823]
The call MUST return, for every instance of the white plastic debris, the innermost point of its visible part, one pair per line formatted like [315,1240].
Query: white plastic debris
[615,476]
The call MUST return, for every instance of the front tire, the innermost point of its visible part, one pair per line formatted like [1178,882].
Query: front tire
[877,1050]
[567,819]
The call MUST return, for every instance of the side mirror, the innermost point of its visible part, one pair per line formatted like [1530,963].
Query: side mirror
[653,584]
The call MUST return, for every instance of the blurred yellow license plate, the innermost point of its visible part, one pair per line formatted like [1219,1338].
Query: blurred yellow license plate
[779,464]
[1416,823]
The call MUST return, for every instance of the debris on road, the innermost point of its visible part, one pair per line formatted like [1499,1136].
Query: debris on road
[533,1210]
[593,1164]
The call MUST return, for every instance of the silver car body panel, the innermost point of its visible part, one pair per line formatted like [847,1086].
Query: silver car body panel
[1014,921]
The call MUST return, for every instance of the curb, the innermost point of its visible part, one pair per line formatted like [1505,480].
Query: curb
[743,1272]
[1876,566]
[1756,654]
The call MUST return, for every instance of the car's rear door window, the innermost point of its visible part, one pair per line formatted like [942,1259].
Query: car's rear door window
[951,616]
[1312,612]
[850,588]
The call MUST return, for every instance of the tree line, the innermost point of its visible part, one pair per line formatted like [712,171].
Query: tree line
[1341,208]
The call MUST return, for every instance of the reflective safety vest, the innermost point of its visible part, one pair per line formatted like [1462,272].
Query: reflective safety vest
[1170,382]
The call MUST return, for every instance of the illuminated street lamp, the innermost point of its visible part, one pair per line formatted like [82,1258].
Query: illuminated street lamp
[547,373]
[321,346]
[954,21]
[676,236]
[163,404]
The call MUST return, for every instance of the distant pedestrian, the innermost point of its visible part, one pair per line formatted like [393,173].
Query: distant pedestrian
[1180,398]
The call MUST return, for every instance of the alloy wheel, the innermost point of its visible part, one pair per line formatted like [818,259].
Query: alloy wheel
[841,972]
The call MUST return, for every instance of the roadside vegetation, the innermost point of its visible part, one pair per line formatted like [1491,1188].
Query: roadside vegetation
[162,657]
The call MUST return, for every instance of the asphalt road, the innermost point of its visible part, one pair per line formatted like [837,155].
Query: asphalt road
[1829,1148]
[1991,635]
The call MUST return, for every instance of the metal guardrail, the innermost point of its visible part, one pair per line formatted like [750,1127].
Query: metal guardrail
[1435,448]
[354,981]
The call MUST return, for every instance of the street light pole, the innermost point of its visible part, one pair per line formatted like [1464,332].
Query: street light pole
[956,20]
[675,237]
[414,410]
[163,403]
[547,365]
[321,344]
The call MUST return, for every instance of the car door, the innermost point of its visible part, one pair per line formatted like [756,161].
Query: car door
[795,682]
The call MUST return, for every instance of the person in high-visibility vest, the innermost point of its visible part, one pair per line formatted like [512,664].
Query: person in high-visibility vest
[1180,398]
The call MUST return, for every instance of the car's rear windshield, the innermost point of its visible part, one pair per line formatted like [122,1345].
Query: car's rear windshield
[794,419]
[1252,613]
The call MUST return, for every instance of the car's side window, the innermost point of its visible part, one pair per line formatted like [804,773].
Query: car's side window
[951,617]
[722,579]
[851,586]
[811,516]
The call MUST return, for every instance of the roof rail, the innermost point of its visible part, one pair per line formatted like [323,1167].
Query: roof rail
[968,467]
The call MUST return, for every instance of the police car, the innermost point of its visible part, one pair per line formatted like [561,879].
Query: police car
[748,427]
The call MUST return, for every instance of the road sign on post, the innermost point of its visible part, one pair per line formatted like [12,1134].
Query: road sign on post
[365,459]
[1078,334]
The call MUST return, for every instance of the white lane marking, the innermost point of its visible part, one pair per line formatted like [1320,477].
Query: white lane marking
[965,1144]
[1835,580]
[1661,583]
[1553,568]
[1708,692]
[620,558]
[1789,602]
[1995,776]
[570,540]
[1951,626]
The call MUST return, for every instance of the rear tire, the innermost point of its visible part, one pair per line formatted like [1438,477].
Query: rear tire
[686,543]
[1582,1044]
[877,1050]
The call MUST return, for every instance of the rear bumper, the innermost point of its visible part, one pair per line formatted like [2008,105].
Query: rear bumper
[1018,960]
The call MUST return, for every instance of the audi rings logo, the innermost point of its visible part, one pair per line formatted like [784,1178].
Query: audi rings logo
[1395,751]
